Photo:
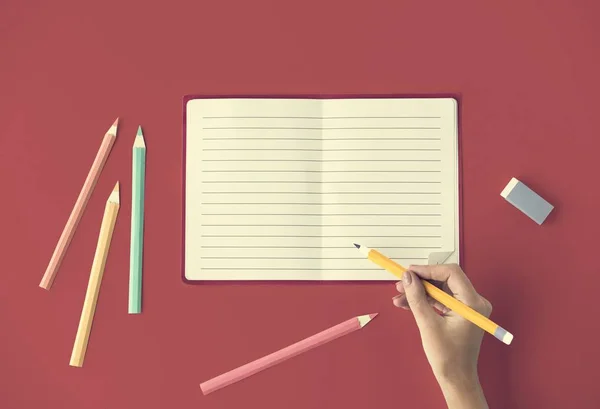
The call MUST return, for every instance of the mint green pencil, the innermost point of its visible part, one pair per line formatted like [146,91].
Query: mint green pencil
[137,223]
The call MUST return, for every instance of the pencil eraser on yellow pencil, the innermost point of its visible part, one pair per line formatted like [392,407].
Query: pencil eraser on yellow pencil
[503,335]
[526,200]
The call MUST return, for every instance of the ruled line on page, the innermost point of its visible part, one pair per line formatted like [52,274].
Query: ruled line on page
[323,193]
[324,204]
[320,236]
[317,139]
[322,150]
[321,214]
[323,225]
[295,258]
[314,182]
[310,247]
[351,128]
[321,160]
[318,171]
[321,117]
[287,268]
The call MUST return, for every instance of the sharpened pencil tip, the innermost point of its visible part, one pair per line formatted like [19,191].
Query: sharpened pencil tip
[373,315]
[114,195]
[357,245]
[139,141]
[365,319]
[113,128]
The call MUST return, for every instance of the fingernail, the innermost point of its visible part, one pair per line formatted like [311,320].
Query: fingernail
[407,278]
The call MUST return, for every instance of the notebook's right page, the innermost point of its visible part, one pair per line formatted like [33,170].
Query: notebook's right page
[389,182]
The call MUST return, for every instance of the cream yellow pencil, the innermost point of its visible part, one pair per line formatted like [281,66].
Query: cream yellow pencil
[439,295]
[91,296]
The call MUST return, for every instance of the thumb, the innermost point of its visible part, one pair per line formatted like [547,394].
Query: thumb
[417,300]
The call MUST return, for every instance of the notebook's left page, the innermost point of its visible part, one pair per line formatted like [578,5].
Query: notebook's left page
[253,189]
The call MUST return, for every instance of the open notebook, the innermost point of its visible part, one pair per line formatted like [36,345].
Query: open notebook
[279,189]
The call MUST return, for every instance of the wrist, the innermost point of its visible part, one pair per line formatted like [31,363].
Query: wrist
[463,391]
[459,379]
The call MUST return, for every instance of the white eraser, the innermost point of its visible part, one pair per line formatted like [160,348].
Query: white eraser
[526,200]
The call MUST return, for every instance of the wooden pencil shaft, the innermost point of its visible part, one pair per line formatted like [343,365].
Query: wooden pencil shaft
[137,231]
[463,310]
[283,354]
[78,209]
[291,351]
[439,295]
[93,288]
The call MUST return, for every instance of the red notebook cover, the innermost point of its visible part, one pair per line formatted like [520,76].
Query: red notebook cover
[191,97]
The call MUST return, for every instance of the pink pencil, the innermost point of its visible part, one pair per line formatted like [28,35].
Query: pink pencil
[316,340]
[80,204]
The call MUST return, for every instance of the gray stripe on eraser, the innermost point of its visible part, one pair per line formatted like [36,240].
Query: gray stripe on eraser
[526,200]
[500,333]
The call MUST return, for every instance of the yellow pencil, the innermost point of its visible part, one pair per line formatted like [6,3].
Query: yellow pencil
[439,295]
[91,296]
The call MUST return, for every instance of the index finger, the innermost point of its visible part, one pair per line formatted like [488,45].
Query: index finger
[458,282]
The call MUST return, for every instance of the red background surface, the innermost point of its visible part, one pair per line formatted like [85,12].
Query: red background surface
[527,75]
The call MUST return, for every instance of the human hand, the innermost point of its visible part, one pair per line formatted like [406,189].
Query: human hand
[451,343]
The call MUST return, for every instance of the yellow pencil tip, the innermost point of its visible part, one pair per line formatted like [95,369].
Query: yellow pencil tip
[116,189]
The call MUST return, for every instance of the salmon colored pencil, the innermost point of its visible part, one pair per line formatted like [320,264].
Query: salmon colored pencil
[79,208]
[91,296]
[441,296]
[275,358]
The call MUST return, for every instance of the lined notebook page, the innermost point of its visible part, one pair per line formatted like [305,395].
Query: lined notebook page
[279,189]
